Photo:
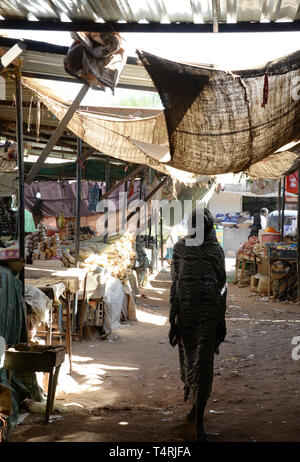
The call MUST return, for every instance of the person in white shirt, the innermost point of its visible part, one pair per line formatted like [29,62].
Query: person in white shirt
[263,217]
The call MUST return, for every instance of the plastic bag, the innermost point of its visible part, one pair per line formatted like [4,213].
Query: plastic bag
[115,300]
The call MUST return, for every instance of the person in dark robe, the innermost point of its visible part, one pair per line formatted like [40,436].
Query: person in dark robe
[197,310]
[259,222]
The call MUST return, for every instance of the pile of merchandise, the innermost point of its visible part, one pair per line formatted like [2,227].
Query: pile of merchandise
[40,247]
[85,232]
[247,249]
[237,220]
[118,257]
[8,218]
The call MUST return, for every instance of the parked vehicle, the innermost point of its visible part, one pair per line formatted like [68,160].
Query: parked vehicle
[290,220]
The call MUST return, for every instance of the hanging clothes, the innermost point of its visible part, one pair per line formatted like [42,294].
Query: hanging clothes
[93,197]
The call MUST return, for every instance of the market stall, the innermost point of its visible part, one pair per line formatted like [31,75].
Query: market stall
[268,265]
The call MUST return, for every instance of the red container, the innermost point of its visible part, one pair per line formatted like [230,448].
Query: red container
[270,237]
[51,232]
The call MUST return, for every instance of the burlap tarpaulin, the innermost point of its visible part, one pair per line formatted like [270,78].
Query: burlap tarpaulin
[220,122]
[277,165]
[140,140]
[214,121]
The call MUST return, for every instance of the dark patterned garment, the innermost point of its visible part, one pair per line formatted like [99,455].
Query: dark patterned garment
[197,306]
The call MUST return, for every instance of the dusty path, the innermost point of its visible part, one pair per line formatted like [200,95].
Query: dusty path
[127,389]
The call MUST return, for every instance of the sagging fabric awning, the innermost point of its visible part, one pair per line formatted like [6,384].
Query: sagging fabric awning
[140,140]
[214,121]
[277,165]
[221,122]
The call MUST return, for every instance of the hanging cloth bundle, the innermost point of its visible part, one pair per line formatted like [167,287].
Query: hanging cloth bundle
[96,58]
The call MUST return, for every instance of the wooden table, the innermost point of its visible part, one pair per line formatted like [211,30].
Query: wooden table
[243,260]
[73,279]
[48,359]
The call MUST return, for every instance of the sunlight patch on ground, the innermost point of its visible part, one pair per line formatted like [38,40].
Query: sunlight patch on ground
[151,318]
[74,404]
[81,359]
[85,377]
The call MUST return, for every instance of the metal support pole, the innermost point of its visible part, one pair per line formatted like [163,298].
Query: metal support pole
[107,183]
[124,206]
[298,237]
[20,144]
[119,183]
[156,238]
[279,205]
[78,200]
[148,197]
[161,240]
[215,11]
[77,224]
[282,212]
[140,198]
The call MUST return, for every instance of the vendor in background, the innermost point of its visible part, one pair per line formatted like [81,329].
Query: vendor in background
[259,222]
[177,231]
[171,241]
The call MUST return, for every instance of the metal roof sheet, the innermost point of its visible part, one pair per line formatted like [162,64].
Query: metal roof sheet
[156,12]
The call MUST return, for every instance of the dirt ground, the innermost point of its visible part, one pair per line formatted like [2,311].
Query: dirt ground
[127,388]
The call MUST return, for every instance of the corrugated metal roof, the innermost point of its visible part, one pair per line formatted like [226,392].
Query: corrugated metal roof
[158,11]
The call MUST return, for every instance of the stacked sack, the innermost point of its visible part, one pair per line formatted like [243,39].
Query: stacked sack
[117,257]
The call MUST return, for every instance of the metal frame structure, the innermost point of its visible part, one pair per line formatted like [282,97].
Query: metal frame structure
[134,27]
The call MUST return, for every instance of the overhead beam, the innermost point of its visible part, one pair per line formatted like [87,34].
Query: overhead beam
[91,26]
[56,135]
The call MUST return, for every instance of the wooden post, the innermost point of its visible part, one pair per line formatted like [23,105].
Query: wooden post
[57,134]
